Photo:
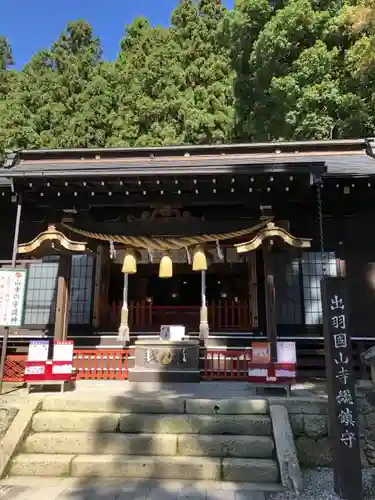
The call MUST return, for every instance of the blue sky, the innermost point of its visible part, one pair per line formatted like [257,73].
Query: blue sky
[31,25]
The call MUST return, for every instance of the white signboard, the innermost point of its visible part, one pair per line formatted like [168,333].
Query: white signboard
[286,352]
[38,350]
[172,332]
[63,350]
[12,296]
[287,358]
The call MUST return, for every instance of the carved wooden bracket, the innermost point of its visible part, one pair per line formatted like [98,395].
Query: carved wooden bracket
[54,240]
[272,231]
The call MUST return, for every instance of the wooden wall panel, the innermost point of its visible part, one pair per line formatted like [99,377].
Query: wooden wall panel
[360,272]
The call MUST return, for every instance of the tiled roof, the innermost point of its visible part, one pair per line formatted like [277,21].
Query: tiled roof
[335,158]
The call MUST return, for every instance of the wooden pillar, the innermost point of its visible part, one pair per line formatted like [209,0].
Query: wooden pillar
[99,275]
[101,306]
[253,290]
[341,264]
[270,302]
[62,299]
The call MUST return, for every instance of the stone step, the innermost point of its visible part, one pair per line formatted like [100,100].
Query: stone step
[252,406]
[240,470]
[225,446]
[251,425]
[75,422]
[146,467]
[149,444]
[102,488]
[114,405]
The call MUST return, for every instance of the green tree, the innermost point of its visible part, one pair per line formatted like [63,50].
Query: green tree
[46,107]
[247,21]
[297,86]
[201,34]
[148,80]
[7,80]
[6,58]
[293,69]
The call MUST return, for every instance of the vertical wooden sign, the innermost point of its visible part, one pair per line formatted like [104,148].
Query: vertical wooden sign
[343,418]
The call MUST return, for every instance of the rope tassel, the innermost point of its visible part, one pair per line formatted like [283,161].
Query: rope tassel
[219,250]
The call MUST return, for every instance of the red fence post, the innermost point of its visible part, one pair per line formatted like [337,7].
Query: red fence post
[226,365]
[104,364]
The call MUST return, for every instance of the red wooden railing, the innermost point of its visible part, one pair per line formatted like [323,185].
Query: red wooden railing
[113,364]
[14,368]
[88,364]
[226,365]
[95,364]
[229,314]
[223,315]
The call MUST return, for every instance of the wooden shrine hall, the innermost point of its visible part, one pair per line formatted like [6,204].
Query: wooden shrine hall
[230,241]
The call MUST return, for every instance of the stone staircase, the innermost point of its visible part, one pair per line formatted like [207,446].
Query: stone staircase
[192,439]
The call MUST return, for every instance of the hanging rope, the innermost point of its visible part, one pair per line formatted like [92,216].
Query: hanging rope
[167,243]
[319,184]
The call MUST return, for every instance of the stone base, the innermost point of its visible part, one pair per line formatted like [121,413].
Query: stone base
[166,361]
[141,375]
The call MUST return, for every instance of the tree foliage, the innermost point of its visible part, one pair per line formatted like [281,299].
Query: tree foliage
[292,69]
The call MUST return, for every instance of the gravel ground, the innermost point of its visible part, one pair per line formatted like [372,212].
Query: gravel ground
[7,415]
[318,485]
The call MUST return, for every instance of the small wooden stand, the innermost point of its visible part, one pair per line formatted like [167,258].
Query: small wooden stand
[287,386]
[41,383]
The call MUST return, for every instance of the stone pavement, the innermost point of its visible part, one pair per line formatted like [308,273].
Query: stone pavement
[73,489]
[207,390]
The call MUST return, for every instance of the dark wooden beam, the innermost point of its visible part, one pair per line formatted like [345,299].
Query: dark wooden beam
[270,299]
[166,182]
[84,199]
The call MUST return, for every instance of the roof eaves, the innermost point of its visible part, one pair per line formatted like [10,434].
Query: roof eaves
[187,150]
[215,166]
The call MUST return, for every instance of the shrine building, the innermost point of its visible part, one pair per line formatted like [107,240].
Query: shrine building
[230,241]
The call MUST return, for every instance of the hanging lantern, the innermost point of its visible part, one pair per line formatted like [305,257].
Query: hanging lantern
[166,267]
[199,260]
[129,265]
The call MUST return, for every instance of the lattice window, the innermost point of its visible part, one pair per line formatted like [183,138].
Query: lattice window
[297,283]
[40,300]
[313,264]
[288,289]
[81,289]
